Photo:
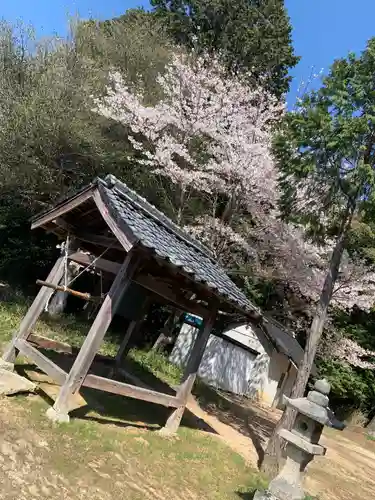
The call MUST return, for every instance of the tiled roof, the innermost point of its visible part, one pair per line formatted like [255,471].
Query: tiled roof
[158,233]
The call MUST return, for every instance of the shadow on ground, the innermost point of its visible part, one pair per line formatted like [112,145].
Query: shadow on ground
[238,412]
[112,409]
[246,496]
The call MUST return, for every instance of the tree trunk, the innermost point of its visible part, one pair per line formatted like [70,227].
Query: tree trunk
[370,429]
[229,209]
[180,204]
[166,335]
[272,455]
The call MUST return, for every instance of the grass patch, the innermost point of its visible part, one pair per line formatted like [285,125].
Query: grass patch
[119,440]
[158,365]
[196,465]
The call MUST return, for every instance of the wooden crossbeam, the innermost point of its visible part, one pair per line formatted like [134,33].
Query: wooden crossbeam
[46,343]
[130,391]
[105,265]
[172,296]
[94,239]
[135,380]
[147,281]
[45,364]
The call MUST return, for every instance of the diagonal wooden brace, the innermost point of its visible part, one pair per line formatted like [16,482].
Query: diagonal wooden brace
[35,310]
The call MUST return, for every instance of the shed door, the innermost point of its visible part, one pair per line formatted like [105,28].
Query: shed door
[226,366]
[223,365]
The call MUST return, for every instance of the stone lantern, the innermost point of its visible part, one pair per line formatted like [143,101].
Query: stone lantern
[302,442]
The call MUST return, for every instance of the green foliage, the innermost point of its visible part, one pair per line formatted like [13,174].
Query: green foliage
[327,147]
[135,44]
[351,388]
[158,364]
[361,240]
[50,141]
[250,35]
[347,386]
[357,325]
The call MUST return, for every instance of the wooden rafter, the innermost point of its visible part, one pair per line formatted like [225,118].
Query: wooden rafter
[123,234]
[86,237]
[63,208]
[169,294]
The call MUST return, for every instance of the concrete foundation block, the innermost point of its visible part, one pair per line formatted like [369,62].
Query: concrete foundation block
[12,383]
[57,417]
[6,365]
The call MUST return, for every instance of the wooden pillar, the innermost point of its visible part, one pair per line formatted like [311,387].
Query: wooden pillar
[124,347]
[280,389]
[35,310]
[190,373]
[82,363]
[133,329]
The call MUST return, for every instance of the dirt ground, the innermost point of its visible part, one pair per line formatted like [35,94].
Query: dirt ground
[346,472]
[38,464]
[41,462]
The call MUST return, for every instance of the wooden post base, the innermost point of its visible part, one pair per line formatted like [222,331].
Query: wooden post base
[6,365]
[57,416]
[173,422]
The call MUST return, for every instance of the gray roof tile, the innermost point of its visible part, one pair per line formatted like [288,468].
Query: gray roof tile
[155,231]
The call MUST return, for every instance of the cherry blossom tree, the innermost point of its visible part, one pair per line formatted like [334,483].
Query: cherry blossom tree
[348,351]
[212,134]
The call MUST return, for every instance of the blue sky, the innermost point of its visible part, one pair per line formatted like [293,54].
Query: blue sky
[322,29]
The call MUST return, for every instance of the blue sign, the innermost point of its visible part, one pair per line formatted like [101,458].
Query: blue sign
[193,320]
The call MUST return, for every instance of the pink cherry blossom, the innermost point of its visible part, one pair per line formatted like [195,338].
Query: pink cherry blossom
[211,134]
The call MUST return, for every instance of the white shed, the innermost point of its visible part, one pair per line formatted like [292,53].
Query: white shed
[247,360]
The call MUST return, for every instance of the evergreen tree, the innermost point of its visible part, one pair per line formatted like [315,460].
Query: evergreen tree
[253,35]
[326,156]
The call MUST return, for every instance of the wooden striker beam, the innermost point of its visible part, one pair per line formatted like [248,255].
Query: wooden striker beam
[81,295]
[148,282]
